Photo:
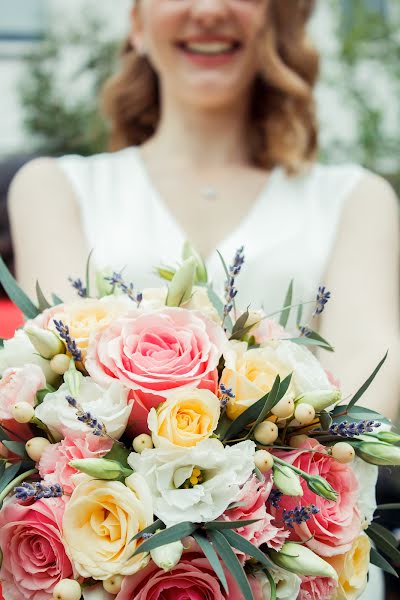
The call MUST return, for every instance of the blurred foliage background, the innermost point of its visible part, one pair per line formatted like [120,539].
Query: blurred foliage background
[367,43]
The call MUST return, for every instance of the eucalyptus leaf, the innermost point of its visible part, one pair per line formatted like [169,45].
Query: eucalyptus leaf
[285,314]
[9,475]
[383,542]
[219,307]
[88,263]
[212,558]
[167,536]
[314,335]
[391,506]
[388,535]
[118,453]
[308,341]
[271,400]
[325,420]
[43,303]
[378,560]
[366,385]
[17,448]
[158,524]
[243,545]
[247,417]
[356,413]
[15,293]
[272,584]
[299,315]
[56,300]
[232,563]
[220,525]
[3,435]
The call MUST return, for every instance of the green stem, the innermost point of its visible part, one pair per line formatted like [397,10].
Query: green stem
[303,474]
[14,483]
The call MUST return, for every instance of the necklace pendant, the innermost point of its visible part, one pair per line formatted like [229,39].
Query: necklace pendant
[209,193]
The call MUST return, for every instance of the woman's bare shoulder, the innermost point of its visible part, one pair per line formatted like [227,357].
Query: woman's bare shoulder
[373,200]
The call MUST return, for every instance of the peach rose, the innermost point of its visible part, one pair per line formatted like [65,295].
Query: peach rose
[352,569]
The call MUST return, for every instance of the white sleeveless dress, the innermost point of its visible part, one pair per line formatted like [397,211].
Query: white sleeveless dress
[289,233]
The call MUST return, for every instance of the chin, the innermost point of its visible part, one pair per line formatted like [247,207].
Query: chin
[212,93]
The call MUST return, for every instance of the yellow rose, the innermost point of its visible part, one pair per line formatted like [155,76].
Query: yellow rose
[186,418]
[250,374]
[100,520]
[352,569]
[88,316]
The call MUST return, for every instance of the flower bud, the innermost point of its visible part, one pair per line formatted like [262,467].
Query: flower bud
[388,436]
[22,412]
[113,585]
[320,399]
[378,453]
[167,557]
[165,272]
[201,270]
[287,481]
[302,561]
[100,468]
[73,379]
[35,447]
[321,487]
[67,589]
[45,342]
[142,442]
[180,288]
[103,286]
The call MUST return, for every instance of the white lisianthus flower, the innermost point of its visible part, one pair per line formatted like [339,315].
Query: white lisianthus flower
[367,477]
[109,406]
[194,484]
[287,584]
[96,592]
[19,351]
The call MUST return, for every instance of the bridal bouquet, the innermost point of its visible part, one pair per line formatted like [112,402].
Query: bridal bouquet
[164,444]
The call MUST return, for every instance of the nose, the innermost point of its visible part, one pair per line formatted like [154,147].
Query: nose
[210,12]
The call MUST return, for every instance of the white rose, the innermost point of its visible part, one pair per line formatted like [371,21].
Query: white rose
[19,351]
[109,406]
[221,473]
[287,584]
[96,592]
[367,477]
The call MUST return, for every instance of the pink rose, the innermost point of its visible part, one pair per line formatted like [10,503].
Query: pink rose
[54,464]
[192,578]
[19,385]
[254,494]
[34,558]
[317,588]
[45,319]
[332,530]
[155,353]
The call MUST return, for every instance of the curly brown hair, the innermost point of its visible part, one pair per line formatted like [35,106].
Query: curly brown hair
[283,130]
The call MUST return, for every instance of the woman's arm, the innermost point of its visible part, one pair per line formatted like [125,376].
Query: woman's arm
[362,320]
[46,230]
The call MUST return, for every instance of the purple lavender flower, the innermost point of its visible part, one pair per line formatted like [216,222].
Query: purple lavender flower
[299,515]
[346,429]
[322,298]
[63,332]
[117,281]
[230,289]
[37,491]
[77,284]
[98,428]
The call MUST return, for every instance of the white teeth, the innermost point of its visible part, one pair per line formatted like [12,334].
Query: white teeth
[209,47]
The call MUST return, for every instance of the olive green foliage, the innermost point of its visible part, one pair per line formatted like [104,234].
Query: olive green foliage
[60,117]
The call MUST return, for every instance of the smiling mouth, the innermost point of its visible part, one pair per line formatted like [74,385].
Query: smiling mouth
[212,48]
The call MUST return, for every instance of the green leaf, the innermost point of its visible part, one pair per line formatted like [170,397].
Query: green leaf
[15,293]
[17,448]
[219,307]
[3,435]
[165,272]
[167,536]
[271,400]
[241,544]
[299,315]
[232,563]
[392,506]
[388,535]
[366,385]
[9,475]
[357,413]
[325,420]
[3,462]
[308,341]
[118,453]
[228,524]
[378,560]
[56,300]
[313,335]
[212,558]
[2,340]
[88,262]
[383,542]
[240,329]
[41,298]
[285,314]
[271,583]
[158,524]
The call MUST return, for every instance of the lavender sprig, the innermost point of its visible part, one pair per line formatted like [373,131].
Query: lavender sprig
[98,428]
[299,515]
[275,498]
[305,331]
[322,298]
[37,491]
[117,281]
[63,332]
[77,284]
[346,429]
[226,395]
[230,289]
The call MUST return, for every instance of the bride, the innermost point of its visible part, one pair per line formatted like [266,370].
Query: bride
[214,140]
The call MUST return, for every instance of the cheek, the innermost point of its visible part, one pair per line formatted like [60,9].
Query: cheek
[251,17]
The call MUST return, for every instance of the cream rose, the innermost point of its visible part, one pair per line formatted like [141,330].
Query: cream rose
[352,569]
[154,298]
[251,373]
[186,418]
[88,316]
[100,520]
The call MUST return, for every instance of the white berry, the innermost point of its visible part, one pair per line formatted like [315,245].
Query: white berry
[113,585]
[304,414]
[284,408]
[22,412]
[67,589]
[263,460]
[297,441]
[142,442]
[343,453]
[35,448]
[266,432]
[60,363]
